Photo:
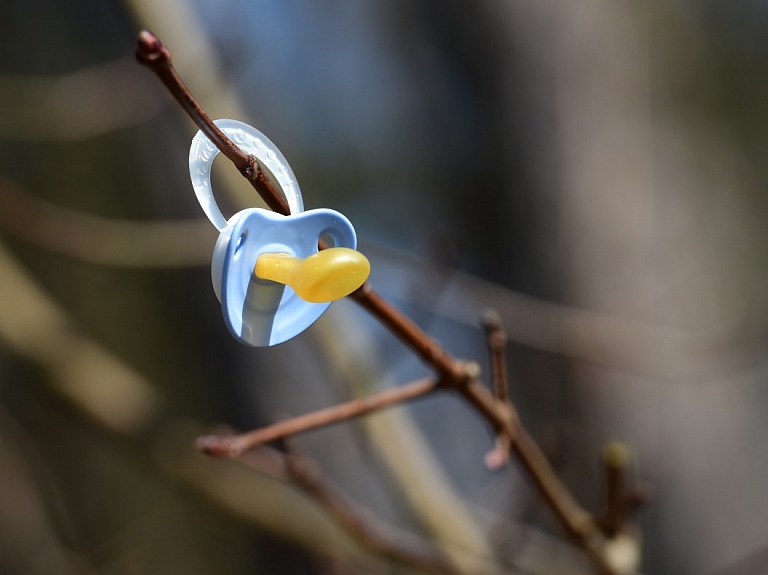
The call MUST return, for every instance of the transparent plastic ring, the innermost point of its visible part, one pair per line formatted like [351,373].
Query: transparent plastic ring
[249,139]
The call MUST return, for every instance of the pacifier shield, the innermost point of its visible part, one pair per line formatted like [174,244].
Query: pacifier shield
[261,312]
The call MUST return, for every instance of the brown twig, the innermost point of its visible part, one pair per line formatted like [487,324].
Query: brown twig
[497,343]
[578,523]
[496,339]
[452,373]
[430,351]
[620,501]
[236,445]
[616,458]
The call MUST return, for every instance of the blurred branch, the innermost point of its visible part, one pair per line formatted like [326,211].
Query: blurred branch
[616,459]
[305,474]
[102,240]
[620,501]
[28,537]
[84,104]
[36,328]
[460,376]
[666,354]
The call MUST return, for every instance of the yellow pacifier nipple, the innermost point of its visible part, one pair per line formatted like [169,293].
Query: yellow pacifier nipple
[325,276]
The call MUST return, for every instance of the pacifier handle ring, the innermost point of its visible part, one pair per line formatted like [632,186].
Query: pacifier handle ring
[250,140]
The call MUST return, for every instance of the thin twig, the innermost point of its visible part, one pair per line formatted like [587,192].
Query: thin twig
[620,500]
[234,446]
[616,458]
[578,523]
[498,457]
[496,339]
[497,343]
[151,52]
[452,373]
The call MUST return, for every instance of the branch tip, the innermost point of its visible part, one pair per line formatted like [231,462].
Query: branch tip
[496,340]
[617,455]
[215,446]
[498,457]
[149,49]
[491,319]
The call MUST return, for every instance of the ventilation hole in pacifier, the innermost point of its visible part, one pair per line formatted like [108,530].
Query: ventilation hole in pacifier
[326,241]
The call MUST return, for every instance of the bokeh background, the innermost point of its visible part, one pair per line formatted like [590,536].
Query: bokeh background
[594,170]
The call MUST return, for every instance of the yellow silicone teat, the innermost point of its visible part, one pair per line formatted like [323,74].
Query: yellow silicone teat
[325,276]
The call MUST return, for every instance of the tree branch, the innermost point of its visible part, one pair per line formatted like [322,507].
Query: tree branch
[429,350]
[236,445]
[452,373]
[620,500]
[615,459]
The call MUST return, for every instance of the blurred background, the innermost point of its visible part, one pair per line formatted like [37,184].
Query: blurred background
[593,170]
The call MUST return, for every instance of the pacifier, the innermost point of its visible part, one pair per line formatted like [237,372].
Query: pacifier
[267,271]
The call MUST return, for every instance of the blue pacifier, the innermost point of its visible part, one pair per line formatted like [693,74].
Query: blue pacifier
[272,281]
